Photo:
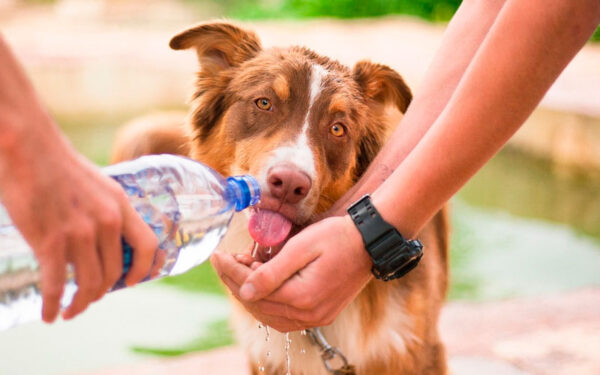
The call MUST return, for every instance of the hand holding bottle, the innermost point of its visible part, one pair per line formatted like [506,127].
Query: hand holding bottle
[184,207]
[65,208]
[71,213]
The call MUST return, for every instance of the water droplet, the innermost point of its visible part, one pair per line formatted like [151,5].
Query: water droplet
[255,249]
[261,368]
[268,354]
[303,332]
[260,325]
[303,351]
[268,336]
[288,343]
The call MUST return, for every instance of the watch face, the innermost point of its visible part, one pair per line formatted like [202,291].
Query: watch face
[406,258]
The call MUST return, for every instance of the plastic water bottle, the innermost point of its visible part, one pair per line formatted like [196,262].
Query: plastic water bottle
[187,204]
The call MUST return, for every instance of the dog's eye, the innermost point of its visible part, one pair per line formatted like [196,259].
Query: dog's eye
[337,130]
[264,104]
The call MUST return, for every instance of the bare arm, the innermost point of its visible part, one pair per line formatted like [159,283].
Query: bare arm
[65,208]
[462,38]
[530,43]
[492,87]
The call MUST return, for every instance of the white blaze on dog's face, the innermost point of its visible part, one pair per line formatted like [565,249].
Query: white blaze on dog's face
[304,125]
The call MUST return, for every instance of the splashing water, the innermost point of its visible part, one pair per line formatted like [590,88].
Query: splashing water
[261,368]
[303,333]
[255,210]
[254,250]
[288,343]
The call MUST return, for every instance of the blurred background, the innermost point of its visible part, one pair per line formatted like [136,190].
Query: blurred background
[527,226]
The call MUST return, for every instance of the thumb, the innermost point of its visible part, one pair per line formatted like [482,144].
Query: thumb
[269,276]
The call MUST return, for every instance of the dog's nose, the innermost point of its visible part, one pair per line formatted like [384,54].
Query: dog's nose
[288,183]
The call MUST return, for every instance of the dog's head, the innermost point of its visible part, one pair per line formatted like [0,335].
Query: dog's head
[304,125]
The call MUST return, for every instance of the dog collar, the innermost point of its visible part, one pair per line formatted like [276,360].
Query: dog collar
[392,255]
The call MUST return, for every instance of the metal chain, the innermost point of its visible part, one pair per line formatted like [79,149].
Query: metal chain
[329,353]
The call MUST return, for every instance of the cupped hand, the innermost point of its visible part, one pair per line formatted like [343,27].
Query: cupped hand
[69,212]
[316,274]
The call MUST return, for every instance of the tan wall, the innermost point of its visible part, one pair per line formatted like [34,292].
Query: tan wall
[566,139]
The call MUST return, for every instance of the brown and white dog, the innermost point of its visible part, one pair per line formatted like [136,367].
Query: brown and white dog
[307,127]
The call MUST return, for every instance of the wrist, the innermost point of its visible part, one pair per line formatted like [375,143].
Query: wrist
[396,215]
[25,150]
[353,236]
[392,254]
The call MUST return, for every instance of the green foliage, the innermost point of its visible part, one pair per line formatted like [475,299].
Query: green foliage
[202,279]
[218,334]
[596,35]
[434,10]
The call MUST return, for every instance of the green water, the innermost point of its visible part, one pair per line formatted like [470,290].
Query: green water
[533,188]
[523,228]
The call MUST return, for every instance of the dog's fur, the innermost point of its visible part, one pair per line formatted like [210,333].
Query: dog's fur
[390,328]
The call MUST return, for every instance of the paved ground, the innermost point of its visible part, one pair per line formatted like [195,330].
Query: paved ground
[543,336]
[555,335]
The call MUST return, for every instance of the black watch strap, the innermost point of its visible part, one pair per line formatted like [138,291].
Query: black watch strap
[392,255]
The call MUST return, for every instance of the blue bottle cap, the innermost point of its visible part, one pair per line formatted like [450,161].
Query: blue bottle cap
[246,191]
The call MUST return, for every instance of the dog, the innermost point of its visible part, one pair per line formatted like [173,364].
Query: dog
[307,128]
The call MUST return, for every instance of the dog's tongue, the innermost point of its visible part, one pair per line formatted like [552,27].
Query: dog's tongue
[269,228]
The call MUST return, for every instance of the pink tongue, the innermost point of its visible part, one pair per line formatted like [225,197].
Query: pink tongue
[269,228]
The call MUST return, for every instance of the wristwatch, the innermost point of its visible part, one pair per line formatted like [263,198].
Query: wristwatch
[392,255]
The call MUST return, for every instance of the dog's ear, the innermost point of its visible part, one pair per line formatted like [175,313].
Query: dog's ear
[219,45]
[381,86]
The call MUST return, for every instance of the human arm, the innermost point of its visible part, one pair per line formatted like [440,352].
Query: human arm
[528,45]
[67,211]
[459,44]
[527,48]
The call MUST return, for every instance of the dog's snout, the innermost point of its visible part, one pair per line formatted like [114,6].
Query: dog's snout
[288,183]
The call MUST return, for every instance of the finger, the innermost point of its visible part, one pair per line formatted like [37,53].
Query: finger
[260,312]
[53,277]
[226,265]
[110,250]
[255,265]
[233,287]
[88,272]
[233,275]
[244,259]
[271,275]
[142,240]
[264,307]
